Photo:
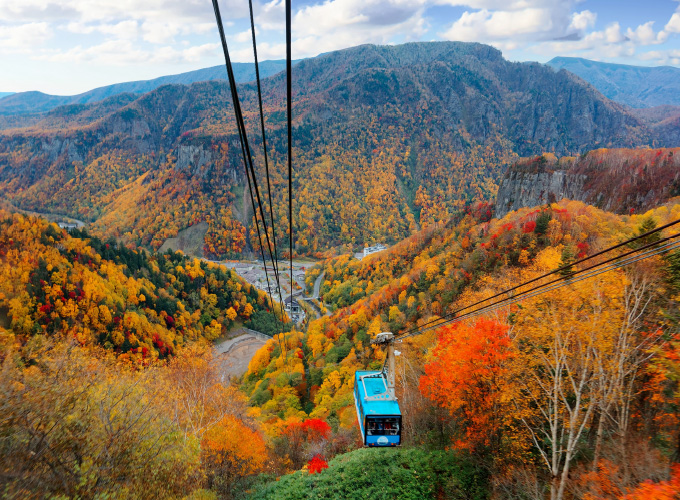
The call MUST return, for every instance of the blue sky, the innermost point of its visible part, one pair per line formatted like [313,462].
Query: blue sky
[70,46]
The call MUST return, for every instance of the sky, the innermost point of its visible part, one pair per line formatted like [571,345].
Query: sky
[70,46]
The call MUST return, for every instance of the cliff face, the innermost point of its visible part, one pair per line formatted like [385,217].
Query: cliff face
[527,189]
[617,180]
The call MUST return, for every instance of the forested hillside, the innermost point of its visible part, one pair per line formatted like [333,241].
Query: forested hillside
[109,346]
[143,307]
[387,139]
[486,385]
[109,386]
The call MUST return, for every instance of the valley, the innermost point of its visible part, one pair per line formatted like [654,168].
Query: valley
[512,228]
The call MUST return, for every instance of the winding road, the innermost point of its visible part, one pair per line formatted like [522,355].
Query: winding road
[317,286]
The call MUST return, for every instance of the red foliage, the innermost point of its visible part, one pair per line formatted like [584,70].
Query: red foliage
[311,430]
[316,429]
[582,250]
[317,464]
[665,490]
[529,226]
[468,367]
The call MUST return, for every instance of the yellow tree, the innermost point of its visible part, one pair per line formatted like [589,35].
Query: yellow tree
[561,339]
[231,450]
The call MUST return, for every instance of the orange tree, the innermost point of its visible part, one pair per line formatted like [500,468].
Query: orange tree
[231,450]
[468,375]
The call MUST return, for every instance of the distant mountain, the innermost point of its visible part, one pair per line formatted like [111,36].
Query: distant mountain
[635,86]
[37,102]
[616,180]
[386,138]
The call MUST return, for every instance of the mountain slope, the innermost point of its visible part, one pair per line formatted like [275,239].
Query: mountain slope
[386,139]
[617,180]
[38,102]
[69,285]
[635,86]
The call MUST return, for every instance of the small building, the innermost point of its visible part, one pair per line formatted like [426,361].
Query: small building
[296,305]
[67,225]
[376,248]
[295,311]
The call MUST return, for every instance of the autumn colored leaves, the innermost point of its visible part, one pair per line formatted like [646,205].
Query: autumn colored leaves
[530,386]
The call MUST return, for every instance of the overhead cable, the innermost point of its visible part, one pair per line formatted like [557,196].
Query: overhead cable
[264,145]
[650,250]
[289,93]
[245,148]
[561,269]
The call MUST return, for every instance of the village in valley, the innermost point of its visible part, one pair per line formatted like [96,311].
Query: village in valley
[255,273]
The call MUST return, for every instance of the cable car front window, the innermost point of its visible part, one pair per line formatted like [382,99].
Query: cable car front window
[388,426]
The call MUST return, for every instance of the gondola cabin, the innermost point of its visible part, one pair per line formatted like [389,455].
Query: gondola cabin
[377,410]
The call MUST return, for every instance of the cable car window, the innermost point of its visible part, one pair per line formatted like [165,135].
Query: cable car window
[383,426]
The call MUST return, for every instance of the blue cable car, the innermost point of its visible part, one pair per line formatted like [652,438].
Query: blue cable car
[377,408]
[379,419]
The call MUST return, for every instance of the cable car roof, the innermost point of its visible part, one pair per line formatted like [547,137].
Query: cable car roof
[375,386]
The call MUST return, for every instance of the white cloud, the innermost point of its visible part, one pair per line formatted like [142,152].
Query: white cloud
[124,29]
[516,23]
[673,24]
[662,57]
[506,5]
[106,10]
[270,15]
[245,36]
[159,32]
[22,37]
[598,45]
[644,34]
[500,25]
[124,52]
[611,34]
[337,24]
[264,51]
[581,21]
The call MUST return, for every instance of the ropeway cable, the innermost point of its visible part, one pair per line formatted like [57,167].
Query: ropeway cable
[245,149]
[553,285]
[289,93]
[264,145]
[561,269]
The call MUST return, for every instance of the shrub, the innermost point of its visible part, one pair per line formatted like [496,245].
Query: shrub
[407,474]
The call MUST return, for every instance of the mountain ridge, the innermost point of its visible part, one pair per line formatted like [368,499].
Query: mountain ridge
[635,86]
[37,102]
[395,135]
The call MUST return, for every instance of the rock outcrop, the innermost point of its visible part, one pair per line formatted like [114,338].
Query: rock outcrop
[617,180]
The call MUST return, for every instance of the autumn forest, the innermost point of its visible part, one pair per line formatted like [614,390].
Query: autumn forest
[477,178]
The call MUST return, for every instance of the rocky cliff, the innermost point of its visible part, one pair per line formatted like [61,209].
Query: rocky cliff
[617,180]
